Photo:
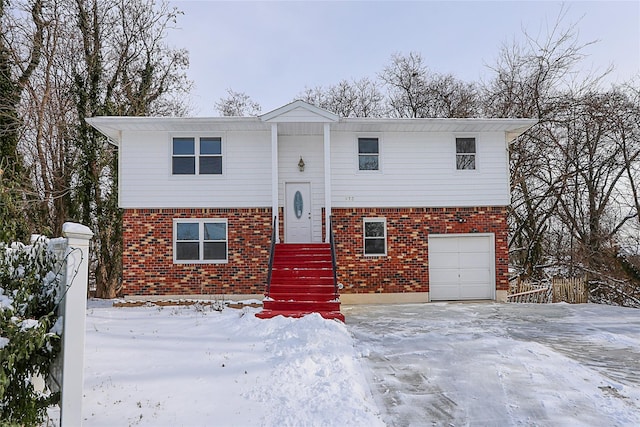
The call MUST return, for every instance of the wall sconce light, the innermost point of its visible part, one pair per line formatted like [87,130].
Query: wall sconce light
[301,164]
[460,219]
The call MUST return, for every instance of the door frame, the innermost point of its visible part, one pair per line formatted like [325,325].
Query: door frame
[286,206]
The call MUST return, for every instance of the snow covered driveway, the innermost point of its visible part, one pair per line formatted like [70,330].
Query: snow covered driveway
[501,364]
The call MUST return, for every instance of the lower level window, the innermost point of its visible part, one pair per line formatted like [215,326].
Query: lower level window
[375,236]
[200,240]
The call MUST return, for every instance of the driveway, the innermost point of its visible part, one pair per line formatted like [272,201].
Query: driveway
[488,364]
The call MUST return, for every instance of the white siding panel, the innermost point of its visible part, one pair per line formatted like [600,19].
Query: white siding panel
[146,180]
[290,149]
[418,169]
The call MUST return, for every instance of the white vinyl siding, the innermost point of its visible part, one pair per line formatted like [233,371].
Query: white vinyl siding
[146,180]
[419,171]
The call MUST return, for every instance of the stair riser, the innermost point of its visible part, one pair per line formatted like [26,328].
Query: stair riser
[301,276]
[268,314]
[302,261]
[302,297]
[309,306]
[298,288]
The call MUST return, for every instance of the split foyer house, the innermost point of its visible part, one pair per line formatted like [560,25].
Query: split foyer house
[417,207]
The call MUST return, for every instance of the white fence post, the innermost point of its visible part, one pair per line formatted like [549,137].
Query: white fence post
[74,312]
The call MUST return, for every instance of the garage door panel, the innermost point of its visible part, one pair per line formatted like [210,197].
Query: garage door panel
[461,267]
[444,293]
[474,244]
[444,260]
[444,245]
[477,291]
[482,275]
[467,260]
[445,276]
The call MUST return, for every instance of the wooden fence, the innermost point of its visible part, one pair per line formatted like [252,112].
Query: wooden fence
[573,291]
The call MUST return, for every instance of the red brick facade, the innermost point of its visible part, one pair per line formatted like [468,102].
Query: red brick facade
[405,268]
[148,267]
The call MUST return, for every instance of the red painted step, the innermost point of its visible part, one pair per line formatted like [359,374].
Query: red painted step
[268,314]
[302,282]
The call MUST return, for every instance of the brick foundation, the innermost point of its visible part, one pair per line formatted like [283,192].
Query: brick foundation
[148,267]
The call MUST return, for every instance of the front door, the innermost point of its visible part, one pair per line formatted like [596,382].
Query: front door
[297,212]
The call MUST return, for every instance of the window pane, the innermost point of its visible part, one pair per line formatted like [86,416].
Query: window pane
[215,231]
[374,246]
[368,163]
[466,161]
[187,251]
[465,145]
[374,229]
[184,166]
[210,165]
[183,146]
[215,250]
[210,146]
[188,231]
[368,145]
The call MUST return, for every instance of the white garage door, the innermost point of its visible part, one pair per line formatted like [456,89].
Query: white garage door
[461,267]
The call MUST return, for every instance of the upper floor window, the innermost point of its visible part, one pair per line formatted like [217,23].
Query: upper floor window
[375,236]
[465,153]
[196,156]
[368,154]
[200,240]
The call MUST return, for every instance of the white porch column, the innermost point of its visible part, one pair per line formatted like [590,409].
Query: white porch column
[274,177]
[327,180]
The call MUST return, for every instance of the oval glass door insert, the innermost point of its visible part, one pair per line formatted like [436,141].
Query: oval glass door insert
[297,204]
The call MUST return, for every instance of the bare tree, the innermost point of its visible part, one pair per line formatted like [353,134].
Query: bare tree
[20,53]
[602,146]
[414,91]
[237,104]
[406,80]
[356,98]
[533,79]
[123,67]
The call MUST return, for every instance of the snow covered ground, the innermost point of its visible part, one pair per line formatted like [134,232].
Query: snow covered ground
[429,364]
[193,366]
[502,364]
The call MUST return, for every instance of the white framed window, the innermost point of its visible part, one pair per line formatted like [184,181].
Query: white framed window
[368,154]
[466,153]
[375,236]
[196,155]
[200,241]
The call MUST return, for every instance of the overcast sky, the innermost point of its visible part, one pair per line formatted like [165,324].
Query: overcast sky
[273,50]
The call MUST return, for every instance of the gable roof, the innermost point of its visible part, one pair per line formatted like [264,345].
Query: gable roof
[300,112]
